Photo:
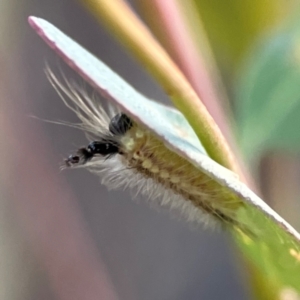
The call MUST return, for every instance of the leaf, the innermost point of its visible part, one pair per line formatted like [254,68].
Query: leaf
[268,95]
[274,246]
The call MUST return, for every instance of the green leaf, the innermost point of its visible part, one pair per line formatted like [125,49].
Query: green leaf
[268,96]
[269,243]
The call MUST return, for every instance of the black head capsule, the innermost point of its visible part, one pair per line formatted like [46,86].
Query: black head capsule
[105,147]
[120,124]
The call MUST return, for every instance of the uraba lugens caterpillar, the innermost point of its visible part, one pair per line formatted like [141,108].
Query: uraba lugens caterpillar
[125,154]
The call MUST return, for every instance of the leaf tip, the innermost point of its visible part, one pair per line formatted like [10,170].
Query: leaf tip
[32,21]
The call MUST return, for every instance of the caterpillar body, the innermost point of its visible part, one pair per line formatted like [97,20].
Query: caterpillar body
[127,155]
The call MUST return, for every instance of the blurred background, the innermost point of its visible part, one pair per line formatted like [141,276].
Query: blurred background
[62,234]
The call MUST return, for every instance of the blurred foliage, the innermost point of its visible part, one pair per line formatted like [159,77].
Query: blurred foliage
[233,25]
[268,95]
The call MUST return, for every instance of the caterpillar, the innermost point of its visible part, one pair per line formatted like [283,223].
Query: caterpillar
[127,155]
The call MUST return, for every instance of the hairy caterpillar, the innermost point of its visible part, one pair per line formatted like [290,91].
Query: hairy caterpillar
[126,155]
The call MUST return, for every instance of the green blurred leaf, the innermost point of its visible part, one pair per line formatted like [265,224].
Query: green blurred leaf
[273,247]
[268,95]
[232,26]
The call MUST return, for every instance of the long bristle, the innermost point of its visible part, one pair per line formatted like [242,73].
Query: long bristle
[94,118]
